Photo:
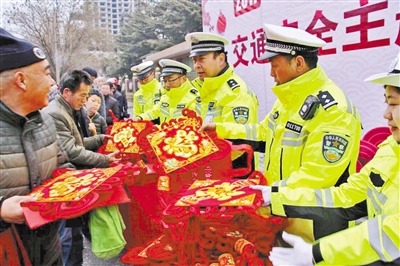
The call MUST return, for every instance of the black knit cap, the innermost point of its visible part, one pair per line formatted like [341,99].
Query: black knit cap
[16,52]
[92,72]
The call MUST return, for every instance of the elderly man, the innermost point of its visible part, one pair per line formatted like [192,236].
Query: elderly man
[179,93]
[28,146]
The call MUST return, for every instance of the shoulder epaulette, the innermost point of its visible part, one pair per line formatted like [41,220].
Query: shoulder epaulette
[326,99]
[233,84]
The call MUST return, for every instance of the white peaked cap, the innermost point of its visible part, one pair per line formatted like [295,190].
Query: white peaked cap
[142,69]
[170,67]
[391,78]
[205,42]
[291,41]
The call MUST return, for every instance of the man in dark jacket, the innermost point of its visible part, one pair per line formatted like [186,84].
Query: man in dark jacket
[66,112]
[117,95]
[93,75]
[28,143]
[111,103]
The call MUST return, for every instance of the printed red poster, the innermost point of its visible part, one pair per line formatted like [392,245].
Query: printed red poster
[219,193]
[124,136]
[180,145]
[72,185]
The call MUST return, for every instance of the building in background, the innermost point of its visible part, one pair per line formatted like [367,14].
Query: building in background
[112,13]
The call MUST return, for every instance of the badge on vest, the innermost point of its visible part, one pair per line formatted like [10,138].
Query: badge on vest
[156,101]
[180,106]
[198,99]
[326,99]
[210,106]
[294,127]
[241,114]
[140,97]
[233,84]
[193,91]
[333,147]
[165,104]
[376,179]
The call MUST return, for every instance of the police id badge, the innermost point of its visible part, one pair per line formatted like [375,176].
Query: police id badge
[333,147]
[241,114]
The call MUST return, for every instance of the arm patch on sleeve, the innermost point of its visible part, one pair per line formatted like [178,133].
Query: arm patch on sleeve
[241,114]
[233,84]
[333,147]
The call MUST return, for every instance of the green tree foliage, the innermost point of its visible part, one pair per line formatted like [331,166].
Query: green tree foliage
[157,25]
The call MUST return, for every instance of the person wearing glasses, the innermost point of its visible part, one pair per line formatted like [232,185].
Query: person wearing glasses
[179,93]
[150,90]
[224,96]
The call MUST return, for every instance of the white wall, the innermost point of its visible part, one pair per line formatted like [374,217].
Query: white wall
[241,22]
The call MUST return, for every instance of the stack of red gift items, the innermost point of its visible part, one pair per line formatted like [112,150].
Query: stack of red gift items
[212,223]
[175,154]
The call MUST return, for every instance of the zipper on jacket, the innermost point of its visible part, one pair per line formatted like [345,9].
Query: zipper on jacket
[280,165]
[269,152]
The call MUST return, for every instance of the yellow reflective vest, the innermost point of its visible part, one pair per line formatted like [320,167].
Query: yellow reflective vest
[227,98]
[146,97]
[172,103]
[377,184]
[306,147]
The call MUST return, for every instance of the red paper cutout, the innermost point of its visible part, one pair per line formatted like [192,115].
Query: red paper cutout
[180,144]
[124,136]
[72,185]
[219,193]
[108,192]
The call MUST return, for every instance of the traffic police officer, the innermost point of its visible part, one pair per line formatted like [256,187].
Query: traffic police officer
[179,93]
[150,89]
[373,242]
[312,134]
[224,96]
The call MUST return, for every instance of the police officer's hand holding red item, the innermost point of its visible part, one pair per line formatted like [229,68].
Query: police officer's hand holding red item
[266,193]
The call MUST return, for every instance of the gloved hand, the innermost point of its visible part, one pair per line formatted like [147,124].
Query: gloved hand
[266,193]
[300,254]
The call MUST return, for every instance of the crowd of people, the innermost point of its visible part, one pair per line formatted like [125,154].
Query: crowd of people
[310,138]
